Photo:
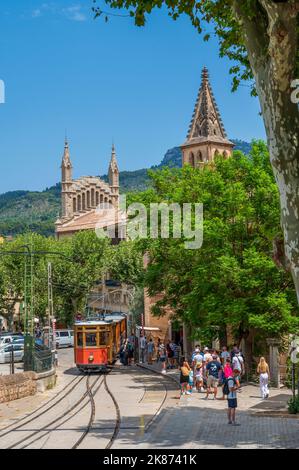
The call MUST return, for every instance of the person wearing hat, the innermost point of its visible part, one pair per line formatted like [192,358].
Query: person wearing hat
[208,355]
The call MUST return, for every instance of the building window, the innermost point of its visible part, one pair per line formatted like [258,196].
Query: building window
[74,204]
[191,159]
[88,199]
[92,198]
[83,202]
[79,203]
[97,198]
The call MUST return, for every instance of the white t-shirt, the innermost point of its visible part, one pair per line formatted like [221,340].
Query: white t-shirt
[237,363]
[142,342]
[197,358]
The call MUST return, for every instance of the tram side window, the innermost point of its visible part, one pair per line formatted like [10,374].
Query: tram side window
[80,339]
[104,337]
[90,339]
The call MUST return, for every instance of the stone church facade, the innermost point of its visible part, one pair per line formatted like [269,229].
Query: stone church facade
[81,197]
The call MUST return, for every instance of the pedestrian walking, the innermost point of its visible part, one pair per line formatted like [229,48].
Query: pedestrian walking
[196,357]
[163,357]
[226,373]
[184,378]
[264,373]
[172,348]
[142,345]
[230,390]
[213,369]
[150,351]
[158,350]
[169,355]
[199,376]
[130,348]
[238,364]
[191,380]
[224,355]
[207,355]
[176,352]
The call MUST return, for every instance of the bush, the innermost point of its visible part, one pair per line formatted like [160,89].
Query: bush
[293,405]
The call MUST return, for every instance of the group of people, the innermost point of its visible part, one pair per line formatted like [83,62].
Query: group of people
[209,369]
[146,350]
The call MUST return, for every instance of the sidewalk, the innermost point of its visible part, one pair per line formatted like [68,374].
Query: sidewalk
[248,399]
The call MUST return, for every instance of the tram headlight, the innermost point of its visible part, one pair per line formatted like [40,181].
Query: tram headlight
[90,358]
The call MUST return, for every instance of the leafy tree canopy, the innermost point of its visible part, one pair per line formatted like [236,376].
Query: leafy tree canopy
[232,280]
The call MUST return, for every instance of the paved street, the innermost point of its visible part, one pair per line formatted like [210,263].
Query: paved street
[137,408]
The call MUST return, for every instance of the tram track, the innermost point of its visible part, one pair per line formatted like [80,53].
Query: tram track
[44,428]
[68,418]
[92,414]
[38,410]
[118,416]
[45,435]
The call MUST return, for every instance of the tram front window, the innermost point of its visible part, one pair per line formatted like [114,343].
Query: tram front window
[80,339]
[91,339]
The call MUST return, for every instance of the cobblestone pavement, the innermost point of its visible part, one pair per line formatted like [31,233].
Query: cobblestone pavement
[198,423]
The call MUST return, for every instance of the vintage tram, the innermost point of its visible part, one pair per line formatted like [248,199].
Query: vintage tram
[97,341]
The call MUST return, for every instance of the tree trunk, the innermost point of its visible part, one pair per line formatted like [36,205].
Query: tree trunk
[271,43]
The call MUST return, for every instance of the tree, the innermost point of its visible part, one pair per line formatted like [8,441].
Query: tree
[261,37]
[232,280]
[77,263]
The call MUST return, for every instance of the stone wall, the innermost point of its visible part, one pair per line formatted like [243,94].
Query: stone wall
[17,386]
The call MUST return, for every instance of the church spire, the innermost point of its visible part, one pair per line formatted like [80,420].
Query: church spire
[66,164]
[113,172]
[206,135]
[206,120]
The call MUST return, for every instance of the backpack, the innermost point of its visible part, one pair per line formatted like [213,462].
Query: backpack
[226,390]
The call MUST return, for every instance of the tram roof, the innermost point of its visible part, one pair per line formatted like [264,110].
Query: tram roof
[107,319]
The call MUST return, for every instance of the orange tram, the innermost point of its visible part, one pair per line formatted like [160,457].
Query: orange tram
[97,341]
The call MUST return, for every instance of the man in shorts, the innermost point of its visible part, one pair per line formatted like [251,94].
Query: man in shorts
[232,398]
[213,369]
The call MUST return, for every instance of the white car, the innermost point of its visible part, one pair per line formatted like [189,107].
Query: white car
[7,339]
[64,338]
[5,352]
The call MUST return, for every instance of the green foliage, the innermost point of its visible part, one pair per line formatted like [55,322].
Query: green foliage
[124,263]
[77,262]
[293,405]
[232,279]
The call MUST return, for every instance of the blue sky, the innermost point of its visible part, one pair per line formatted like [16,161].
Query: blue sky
[102,82]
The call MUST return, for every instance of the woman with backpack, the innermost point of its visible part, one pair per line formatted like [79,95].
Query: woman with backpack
[264,373]
[226,373]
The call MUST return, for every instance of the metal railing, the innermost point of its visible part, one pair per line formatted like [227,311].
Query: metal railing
[37,358]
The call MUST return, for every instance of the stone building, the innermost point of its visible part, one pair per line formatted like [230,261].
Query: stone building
[81,197]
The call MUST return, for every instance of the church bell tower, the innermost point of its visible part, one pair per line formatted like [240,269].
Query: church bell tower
[206,136]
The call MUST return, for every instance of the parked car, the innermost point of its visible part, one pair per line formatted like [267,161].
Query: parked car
[9,338]
[5,352]
[64,338]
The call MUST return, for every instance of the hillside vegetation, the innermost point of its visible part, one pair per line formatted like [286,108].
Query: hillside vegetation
[22,211]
